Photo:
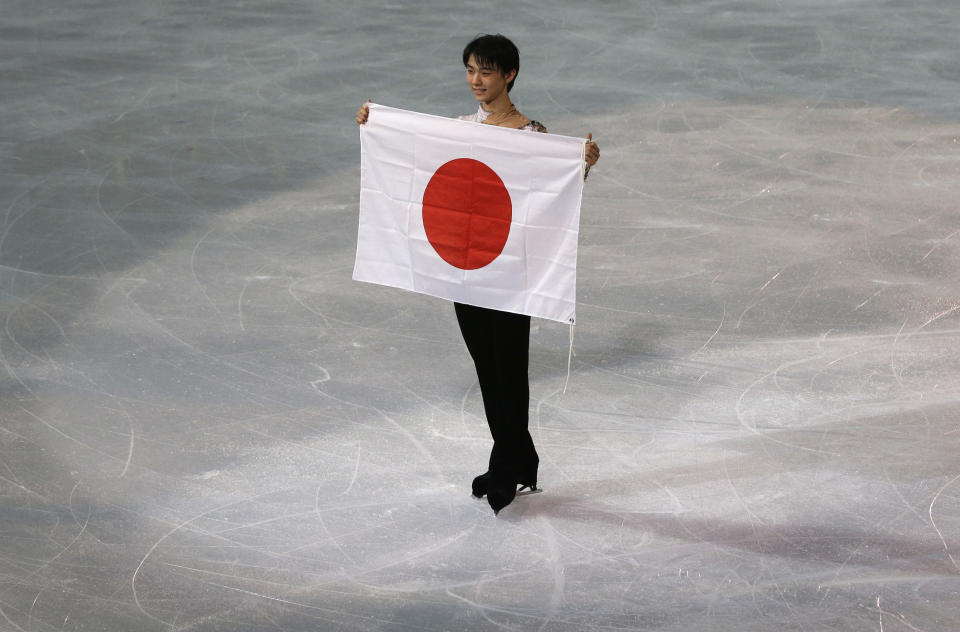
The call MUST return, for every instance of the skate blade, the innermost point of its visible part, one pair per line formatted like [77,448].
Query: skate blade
[527,492]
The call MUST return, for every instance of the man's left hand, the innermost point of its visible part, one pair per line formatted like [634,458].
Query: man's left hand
[592,152]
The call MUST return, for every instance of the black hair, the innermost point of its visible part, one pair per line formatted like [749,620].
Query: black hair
[495,51]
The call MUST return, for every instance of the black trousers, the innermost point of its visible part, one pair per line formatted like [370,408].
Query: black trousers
[499,343]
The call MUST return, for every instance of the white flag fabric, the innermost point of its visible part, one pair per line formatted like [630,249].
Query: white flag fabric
[469,212]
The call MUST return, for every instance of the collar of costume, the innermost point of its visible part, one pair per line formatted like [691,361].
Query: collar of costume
[511,118]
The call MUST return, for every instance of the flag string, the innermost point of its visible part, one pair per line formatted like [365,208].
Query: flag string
[570,355]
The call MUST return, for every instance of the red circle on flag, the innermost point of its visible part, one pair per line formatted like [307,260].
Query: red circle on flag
[467,213]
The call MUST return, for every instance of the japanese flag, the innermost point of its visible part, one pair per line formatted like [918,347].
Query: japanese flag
[468,212]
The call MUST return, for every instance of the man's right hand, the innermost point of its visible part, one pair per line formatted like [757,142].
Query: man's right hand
[363,113]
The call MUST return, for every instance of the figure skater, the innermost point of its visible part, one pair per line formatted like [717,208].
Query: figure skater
[499,342]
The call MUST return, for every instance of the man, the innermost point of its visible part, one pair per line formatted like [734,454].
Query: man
[499,342]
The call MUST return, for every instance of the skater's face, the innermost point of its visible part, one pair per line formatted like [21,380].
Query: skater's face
[487,83]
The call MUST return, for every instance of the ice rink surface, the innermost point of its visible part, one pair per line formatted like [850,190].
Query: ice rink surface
[205,425]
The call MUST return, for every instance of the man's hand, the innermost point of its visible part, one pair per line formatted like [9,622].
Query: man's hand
[592,152]
[363,113]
